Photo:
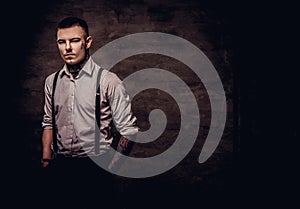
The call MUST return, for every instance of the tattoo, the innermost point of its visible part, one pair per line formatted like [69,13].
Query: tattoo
[75,69]
[124,145]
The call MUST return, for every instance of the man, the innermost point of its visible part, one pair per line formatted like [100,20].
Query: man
[71,135]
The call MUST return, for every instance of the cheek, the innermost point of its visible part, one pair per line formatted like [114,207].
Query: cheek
[61,49]
[82,46]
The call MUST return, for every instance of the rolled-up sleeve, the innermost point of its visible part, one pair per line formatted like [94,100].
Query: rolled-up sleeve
[47,118]
[125,121]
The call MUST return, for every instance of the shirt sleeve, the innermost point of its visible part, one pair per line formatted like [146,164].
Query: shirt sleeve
[47,118]
[123,118]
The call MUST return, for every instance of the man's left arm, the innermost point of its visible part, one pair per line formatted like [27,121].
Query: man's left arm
[124,121]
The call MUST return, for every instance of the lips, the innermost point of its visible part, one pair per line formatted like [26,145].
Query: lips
[69,55]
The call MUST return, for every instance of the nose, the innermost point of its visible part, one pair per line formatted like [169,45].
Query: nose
[68,46]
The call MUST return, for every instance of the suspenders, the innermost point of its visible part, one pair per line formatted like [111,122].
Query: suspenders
[53,113]
[97,112]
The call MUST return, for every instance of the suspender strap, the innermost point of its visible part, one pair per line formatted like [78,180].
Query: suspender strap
[97,113]
[53,113]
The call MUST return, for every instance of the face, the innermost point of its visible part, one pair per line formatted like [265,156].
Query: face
[72,44]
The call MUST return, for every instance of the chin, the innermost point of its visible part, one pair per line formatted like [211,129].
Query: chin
[71,62]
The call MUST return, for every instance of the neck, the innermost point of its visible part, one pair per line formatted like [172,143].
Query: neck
[77,67]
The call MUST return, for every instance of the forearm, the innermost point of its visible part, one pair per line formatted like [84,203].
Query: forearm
[124,145]
[46,143]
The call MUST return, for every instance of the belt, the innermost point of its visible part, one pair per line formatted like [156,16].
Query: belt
[58,156]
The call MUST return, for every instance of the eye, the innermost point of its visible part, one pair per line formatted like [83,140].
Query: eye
[75,40]
[61,41]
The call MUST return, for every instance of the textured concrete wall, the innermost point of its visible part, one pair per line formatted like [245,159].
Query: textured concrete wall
[207,25]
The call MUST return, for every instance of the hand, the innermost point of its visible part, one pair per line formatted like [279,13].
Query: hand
[115,161]
[45,162]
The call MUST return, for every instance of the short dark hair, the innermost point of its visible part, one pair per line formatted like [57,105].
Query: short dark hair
[72,21]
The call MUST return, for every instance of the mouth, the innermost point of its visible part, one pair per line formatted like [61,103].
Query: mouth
[69,55]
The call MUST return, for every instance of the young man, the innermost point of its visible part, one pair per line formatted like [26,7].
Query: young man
[71,135]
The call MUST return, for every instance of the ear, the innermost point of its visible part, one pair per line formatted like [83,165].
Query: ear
[89,41]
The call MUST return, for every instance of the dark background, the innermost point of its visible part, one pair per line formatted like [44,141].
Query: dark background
[246,41]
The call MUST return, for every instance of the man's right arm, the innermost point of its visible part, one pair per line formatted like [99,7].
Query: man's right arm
[46,146]
[47,138]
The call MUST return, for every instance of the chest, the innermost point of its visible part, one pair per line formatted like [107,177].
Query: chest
[80,92]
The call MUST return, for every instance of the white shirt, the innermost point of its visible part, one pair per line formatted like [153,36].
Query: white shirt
[75,110]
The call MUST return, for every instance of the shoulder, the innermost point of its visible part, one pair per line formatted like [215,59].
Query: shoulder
[110,78]
[49,78]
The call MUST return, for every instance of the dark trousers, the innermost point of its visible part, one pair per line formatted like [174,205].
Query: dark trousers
[78,183]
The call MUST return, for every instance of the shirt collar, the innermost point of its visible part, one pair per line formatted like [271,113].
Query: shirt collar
[88,68]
